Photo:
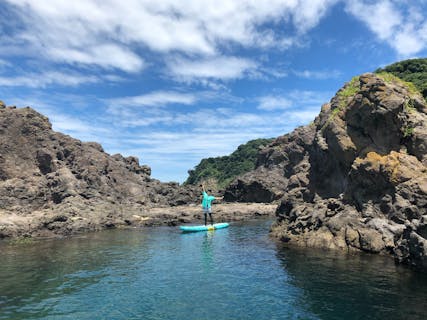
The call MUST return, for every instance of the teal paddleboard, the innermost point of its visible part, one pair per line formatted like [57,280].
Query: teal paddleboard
[209,227]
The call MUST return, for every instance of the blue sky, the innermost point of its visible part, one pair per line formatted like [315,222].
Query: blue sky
[173,82]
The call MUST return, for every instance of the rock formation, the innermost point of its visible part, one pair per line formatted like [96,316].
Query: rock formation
[52,183]
[356,178]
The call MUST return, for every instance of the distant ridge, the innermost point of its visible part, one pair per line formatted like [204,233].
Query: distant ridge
[218,172]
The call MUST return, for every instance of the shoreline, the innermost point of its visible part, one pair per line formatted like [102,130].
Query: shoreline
[53,224]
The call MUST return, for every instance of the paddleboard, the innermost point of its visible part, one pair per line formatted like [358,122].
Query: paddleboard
[209,227]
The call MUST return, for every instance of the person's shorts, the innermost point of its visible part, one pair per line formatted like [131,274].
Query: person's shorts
[207,210]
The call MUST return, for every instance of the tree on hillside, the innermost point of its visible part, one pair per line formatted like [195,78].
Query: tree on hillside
[222,170]
[412,70]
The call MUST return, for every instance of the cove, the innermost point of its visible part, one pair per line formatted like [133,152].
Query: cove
[234,273]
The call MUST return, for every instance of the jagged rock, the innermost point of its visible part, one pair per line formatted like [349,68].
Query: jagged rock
[256,186]
[282,161]
[44,174]
[355,179]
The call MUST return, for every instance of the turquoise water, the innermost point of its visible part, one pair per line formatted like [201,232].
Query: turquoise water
[234,273]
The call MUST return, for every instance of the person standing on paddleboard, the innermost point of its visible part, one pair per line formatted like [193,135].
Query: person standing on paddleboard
[207,204]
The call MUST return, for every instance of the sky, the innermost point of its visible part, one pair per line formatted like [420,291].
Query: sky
[175,81]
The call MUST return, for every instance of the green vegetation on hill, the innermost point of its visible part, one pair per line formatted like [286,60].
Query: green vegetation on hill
[222,170]
[413,70]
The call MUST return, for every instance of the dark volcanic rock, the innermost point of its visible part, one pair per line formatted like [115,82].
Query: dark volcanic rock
[356,179]
[44,174]
[284,161]
[257,186]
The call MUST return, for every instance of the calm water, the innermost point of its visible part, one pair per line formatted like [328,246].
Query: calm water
[234,273]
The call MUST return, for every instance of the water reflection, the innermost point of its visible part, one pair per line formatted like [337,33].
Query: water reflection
[207,250]
[359,286]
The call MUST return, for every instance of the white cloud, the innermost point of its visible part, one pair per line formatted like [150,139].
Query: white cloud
[303,116]
[71,125]
[408,42]
[276,72]
[223,68]
[277,108]
[206,118]
[309,98]
[41,80]
[308,13]
[170,154]
[294,101]
[403,30]
[208,134]
[104,55]
[154,99]
[381,17]
[113,34]
[318,75]
[270,103]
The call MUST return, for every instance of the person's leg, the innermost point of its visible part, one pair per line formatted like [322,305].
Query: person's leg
[210,216]
[205,213]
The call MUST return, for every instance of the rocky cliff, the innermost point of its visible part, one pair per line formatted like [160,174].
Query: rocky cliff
[52,183]
[356,178]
